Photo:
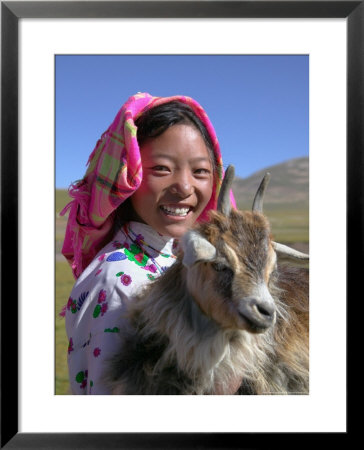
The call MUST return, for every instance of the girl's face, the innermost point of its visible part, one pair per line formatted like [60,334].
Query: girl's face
[177,180]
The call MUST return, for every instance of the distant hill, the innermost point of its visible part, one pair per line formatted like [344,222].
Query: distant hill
[286,202]
[288,187]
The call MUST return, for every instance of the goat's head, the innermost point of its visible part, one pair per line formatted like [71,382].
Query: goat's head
[231,261]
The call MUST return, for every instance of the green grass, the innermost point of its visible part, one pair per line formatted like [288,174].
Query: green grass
[64,284]
[62,198]
[289,226]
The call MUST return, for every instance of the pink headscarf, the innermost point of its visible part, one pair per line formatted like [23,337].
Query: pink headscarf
[114,173]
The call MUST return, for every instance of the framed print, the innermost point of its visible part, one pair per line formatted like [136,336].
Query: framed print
[27,205]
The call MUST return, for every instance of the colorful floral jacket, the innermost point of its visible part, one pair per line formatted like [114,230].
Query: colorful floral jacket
[94,312]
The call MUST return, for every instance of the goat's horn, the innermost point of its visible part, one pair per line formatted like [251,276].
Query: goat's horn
[258,199]
[224,202]
[288,254]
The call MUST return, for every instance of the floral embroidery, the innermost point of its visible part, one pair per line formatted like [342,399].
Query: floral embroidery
[112,330]
[81,299]
[87,342]
[74,305]
[102,296]
[116,256]
[70,346]
[117,245]
[97,352]
[151,277]
[81,378]
[136,254]
[124,278]
[152,268]
[96,312]
[101,307]
[99,271]
[139,239]
[101,257]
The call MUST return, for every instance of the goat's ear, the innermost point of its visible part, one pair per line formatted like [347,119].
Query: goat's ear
[288,255]
[196,248]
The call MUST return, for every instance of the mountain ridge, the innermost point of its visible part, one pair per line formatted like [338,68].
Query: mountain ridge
[288,187]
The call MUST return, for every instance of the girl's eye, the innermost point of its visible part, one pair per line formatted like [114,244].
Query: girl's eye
[202,171]
[160,168]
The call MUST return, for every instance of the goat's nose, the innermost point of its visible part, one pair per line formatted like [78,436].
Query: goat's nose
[258,313]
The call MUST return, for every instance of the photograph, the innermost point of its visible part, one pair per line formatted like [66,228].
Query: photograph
[238,323]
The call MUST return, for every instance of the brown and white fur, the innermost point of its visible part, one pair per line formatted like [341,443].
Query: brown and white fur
[225,318]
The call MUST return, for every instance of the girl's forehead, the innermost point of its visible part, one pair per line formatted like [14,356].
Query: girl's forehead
[178,141]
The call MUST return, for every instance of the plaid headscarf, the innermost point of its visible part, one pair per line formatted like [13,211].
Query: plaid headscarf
[114,173]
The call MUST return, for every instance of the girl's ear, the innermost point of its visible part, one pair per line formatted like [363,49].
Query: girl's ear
[196,248]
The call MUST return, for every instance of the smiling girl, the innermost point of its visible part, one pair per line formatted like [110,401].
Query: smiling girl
[154,173]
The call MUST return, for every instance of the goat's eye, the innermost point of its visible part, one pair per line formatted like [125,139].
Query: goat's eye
[274,272]
[221,267]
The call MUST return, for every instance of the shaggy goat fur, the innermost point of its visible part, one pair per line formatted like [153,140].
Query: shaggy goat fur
[185,334]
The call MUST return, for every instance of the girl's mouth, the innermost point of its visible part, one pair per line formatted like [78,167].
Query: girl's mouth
[180,212]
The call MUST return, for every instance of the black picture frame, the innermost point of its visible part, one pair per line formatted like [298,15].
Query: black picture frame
[11,12]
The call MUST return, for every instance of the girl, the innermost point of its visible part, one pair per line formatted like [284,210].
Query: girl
[154,173]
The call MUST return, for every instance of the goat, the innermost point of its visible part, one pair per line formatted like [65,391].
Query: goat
[225,318]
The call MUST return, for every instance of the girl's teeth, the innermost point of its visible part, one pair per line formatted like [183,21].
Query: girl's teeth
[176,211]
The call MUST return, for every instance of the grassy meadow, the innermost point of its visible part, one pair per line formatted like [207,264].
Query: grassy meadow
[64,283]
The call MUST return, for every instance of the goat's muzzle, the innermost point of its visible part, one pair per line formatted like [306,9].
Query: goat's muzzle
[258,314]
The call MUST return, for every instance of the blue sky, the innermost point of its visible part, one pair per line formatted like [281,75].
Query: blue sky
[259,105]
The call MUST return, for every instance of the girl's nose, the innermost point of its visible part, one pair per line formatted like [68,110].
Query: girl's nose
[182,185]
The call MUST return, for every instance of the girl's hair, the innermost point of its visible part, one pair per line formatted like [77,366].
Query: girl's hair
[152,124]
[156,121]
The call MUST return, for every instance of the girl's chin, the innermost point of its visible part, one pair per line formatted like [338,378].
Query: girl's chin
[174,226]
[174,230]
